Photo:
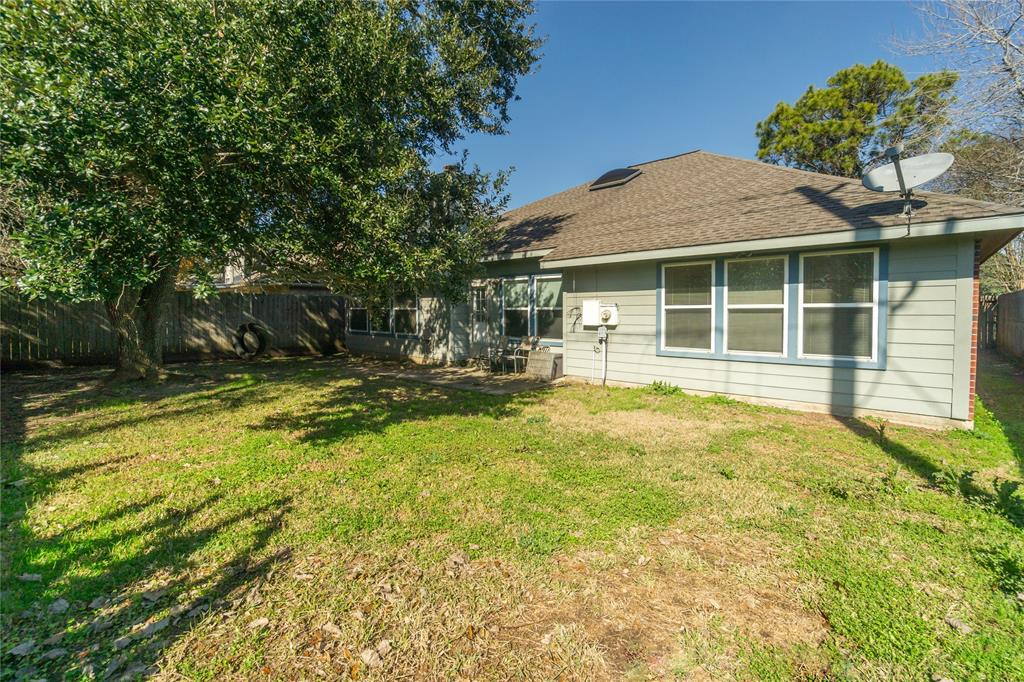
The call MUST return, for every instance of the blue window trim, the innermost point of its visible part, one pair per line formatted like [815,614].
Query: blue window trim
[532,310]
[792,314]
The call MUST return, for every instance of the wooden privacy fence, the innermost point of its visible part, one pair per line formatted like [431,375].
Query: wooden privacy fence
[988,313]
[79,333]
[1010,324]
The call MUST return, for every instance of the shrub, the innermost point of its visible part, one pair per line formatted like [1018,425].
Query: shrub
[663,388]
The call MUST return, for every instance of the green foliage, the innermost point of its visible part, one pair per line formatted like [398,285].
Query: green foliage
[663,388]
[138,136]
[841,128]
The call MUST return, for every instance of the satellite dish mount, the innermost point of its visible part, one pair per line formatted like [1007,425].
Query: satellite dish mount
[904,175]
[906,192]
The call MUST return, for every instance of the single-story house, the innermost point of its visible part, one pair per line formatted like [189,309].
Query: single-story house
[733,277]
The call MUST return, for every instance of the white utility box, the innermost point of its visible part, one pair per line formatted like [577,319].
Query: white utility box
[596,313]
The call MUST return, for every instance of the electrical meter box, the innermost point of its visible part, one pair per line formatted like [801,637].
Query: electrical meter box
[596,313]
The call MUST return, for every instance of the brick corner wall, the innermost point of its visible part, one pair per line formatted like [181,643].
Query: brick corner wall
[975,310]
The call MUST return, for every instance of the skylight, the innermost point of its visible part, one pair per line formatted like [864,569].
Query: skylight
[615,177]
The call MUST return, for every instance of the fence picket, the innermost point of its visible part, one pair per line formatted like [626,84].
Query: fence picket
[79,332]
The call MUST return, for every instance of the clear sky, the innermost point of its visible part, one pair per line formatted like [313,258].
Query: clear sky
[625,82]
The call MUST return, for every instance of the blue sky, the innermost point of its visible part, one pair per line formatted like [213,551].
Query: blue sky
[625,82]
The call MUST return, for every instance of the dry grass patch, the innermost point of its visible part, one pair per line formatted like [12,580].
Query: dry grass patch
[636,604]
[654,428]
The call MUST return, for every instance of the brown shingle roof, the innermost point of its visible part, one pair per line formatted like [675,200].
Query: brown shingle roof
[700,198]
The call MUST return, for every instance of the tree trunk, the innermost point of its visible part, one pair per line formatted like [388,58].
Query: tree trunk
[137,317]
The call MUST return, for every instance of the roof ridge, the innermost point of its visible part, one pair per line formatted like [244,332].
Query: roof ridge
[666,158]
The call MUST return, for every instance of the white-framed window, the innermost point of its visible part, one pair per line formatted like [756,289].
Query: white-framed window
[839,304]
[756,298]
[402,317]
[358,317]
[687,306]
[515,306]
[547,315]
[478,304]
[405,313]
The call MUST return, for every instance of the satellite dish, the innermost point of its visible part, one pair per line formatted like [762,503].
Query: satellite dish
[916,170]
[903,175]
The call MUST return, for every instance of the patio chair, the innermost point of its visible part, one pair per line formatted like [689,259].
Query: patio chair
[519,355]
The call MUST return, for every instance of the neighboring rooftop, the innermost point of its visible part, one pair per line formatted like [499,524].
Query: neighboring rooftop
[699,198]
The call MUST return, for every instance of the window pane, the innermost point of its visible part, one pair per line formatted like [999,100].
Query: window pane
[838,331]
[381,320]
[405,321]
[358,320]
[479,305]
[549,324]
[516,323]
[688,284]
[688,328]
[757,331]
[756,281]
[517,293]
[549,293]
[405,302]
[841,278]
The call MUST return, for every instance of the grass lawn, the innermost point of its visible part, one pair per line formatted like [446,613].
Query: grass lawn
[304,518]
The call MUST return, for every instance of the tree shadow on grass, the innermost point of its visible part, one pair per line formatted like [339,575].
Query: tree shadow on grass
[1002,499]
[372,404]
[156,542]
[161,542]
[152,544]
[61,399]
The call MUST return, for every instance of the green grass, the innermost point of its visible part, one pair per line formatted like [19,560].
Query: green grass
[607,533]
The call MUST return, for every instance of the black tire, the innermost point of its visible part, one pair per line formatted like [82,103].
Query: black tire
[249,341]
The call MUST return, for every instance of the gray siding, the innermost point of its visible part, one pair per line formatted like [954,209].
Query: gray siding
[445,328]
[926,374]
[430,345]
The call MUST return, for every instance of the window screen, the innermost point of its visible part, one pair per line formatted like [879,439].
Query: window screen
[548,305]
[755,305]
[839,306]
[405,315]
[380,320]
[686,302]
[516,307]
[843,332]
[839,278]
[359,320]
[479,304]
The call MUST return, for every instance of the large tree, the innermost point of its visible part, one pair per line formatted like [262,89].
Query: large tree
[141,135]
[984,43]
[843,128]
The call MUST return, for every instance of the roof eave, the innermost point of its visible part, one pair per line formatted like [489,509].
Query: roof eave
[857,236]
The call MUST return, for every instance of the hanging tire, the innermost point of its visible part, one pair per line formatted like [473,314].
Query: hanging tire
[249,341]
